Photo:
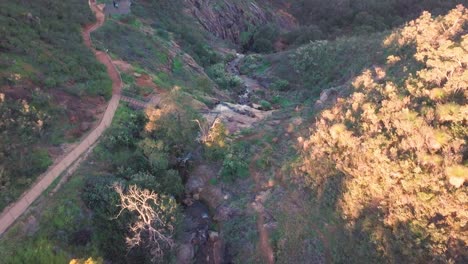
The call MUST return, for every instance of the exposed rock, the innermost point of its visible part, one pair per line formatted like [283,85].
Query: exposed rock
[237,116]
[229,19]
[188,201]
[194,184]
[271,226]
[258,207]
[256,106]
[185,253]
[216,252]
[85,126]
[262,197]
[223,213]
[31,226]
[213,235]
[33,19]
[327,96]
[212,195]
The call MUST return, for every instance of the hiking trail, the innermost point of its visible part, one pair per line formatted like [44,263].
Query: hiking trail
[16,209]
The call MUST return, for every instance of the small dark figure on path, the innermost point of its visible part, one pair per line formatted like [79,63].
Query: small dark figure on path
[116,5]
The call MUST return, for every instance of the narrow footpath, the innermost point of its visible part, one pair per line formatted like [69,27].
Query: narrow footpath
[15,210]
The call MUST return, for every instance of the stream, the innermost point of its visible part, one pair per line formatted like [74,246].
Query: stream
[249,84]
[203,202]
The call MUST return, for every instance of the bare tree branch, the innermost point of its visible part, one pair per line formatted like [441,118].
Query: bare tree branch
[154,226]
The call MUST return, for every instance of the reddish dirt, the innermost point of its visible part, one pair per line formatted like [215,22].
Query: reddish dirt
[146,81]
[100,55]
[265,248]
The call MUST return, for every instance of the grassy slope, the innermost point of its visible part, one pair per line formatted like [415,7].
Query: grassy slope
[62,220]
[42,61]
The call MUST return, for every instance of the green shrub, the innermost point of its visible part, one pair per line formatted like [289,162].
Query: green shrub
[40,160]
[221,77]
[265,105]
[280,85]
[261,40]
[235,164]
[283,102]
[262,45]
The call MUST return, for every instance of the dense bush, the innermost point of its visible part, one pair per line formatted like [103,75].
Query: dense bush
[235,164]
[141,154]
[280,85]
[261,40]
[401,146]
[142,150]
[337,17]
[220,76]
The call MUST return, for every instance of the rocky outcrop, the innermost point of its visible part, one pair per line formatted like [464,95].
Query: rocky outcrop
[228,19]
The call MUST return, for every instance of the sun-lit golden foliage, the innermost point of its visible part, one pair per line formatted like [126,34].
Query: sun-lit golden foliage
[402,148]
[87,261]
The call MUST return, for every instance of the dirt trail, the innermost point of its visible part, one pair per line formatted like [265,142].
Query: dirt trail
[251,85]
[15,210]
[265,248]
[264,245]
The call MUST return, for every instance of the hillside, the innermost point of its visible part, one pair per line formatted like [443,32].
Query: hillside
[249,131]
[49,84]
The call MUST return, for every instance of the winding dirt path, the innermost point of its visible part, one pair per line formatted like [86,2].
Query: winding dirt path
[15,210]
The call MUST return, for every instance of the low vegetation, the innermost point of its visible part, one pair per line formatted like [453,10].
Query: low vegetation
[42,61]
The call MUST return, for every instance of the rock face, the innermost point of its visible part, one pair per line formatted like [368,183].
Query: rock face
[236,116]
[228,19]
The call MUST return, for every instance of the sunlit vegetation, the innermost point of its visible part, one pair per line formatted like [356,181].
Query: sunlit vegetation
[398,145]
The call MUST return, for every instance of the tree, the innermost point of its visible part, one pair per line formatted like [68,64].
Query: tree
[155,220]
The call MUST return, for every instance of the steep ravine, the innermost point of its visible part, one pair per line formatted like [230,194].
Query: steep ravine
[205,203]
